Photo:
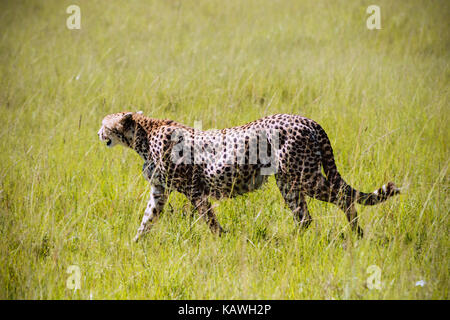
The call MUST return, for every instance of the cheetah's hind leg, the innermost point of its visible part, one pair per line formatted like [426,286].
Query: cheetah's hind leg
[321,189]
[295,200]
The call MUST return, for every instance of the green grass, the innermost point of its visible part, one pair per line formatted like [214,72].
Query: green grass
[65,199]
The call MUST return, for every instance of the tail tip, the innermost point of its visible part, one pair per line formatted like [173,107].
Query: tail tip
[391,189]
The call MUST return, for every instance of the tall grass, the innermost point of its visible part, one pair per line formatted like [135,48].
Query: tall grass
[65,199]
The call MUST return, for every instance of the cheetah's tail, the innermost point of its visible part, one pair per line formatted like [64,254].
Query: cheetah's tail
[335,179]
[379,195]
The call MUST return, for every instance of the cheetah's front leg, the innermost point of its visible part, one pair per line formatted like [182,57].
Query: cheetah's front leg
[206,211]
[154,207]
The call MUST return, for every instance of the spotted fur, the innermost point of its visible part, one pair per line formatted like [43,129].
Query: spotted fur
[220,164]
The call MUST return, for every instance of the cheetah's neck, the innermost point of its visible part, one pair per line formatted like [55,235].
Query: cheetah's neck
[140,141]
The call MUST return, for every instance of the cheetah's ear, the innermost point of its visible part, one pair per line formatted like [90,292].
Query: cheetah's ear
[126,119]
[127,116]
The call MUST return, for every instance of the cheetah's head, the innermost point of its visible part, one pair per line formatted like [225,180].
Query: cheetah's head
[117,128]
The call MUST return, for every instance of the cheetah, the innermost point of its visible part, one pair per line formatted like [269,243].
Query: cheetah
[233,161]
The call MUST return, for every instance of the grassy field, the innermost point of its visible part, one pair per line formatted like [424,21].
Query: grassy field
[65,199]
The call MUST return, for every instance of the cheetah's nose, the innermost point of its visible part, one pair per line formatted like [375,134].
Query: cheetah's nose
[99,133]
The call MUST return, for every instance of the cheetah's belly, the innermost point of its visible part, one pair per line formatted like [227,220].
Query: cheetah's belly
[231,181]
